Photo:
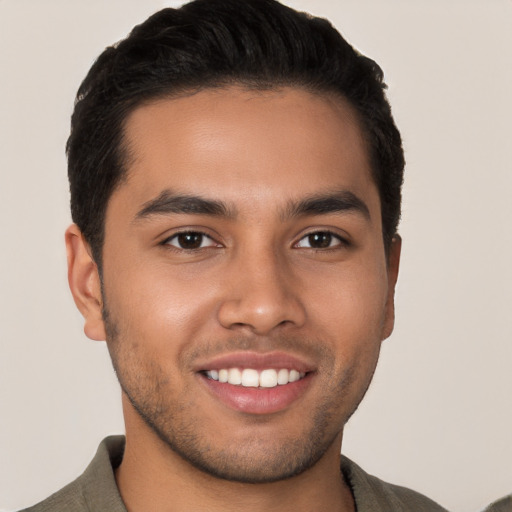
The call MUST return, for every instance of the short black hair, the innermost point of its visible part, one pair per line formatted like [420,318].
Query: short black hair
[216,43]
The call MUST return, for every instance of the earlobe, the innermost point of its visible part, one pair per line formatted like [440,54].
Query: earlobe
[84,283]
[393,268]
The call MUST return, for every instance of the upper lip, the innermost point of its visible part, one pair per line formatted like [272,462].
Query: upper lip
[257,361]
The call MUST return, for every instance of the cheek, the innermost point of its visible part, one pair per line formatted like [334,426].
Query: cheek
[350,302]
[349,314]
[164,307]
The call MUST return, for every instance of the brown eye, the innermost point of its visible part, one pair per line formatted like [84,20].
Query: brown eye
[320,240]
[190,240]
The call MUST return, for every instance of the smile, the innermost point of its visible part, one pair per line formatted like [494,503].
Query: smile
[257,383]
[251,378]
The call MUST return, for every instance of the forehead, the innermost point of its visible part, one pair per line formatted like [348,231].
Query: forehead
[241,144]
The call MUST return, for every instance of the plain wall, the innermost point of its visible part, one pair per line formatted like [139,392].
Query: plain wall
[438,417]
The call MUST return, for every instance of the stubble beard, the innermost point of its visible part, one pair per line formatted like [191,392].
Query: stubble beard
[256,461]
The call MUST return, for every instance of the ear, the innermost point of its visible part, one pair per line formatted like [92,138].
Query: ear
[84,283]
[393,267]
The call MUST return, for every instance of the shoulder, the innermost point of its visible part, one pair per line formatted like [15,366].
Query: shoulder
[69,498]
[373,494]
[502,505]
[95,489]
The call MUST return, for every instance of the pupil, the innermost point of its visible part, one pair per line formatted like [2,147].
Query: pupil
[190,240]
[320,240]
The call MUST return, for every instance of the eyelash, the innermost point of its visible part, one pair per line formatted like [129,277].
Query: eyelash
[203,235]
[341,241]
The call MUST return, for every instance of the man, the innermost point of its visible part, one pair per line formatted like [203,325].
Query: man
[235,183]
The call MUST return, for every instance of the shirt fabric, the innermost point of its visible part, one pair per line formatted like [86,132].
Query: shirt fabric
[96,490]
[503,505]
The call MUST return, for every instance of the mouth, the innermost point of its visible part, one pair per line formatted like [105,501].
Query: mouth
[257,383]
[252,378]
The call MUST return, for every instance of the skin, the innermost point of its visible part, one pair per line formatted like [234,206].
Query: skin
[257,284]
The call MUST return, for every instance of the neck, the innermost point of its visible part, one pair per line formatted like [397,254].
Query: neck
[152,476]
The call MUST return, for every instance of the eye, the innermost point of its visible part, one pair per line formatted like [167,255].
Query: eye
[320,240]
[190,240]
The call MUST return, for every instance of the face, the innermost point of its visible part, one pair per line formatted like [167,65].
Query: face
[246,290]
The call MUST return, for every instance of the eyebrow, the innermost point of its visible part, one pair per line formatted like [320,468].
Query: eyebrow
[169,202]
[323,204]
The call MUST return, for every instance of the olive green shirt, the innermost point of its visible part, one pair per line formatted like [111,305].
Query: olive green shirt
[96,489]
[503,505]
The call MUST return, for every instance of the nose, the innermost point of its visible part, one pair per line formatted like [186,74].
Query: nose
[261,295]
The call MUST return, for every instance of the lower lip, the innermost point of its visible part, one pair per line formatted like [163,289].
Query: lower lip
[258,400]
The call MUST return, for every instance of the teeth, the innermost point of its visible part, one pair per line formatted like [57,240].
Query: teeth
[294,375]
[282,376]
[250,378]
[235,376]
[268,379]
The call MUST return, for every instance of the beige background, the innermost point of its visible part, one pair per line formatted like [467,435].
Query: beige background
[438,417]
